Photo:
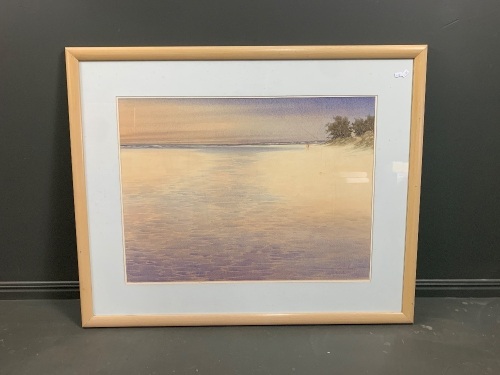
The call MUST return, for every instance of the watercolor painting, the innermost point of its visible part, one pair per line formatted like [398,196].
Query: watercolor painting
[247,188]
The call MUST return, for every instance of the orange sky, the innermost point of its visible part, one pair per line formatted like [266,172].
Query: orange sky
[233,120]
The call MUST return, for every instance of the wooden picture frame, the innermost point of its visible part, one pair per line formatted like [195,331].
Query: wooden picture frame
[98,76]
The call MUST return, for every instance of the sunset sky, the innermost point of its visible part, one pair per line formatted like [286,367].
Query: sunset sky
[233,120]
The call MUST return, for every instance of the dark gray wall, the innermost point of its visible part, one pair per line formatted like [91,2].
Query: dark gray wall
[459,232]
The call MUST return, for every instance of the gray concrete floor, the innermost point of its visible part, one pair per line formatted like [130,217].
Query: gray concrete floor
[450,336]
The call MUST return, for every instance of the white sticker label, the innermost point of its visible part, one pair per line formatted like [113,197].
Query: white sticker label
[402,74]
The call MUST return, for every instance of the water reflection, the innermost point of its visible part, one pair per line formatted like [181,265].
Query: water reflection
[269,212]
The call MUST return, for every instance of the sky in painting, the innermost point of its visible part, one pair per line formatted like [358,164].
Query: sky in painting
[234,120]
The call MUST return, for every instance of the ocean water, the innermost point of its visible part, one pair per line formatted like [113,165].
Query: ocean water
[235,213]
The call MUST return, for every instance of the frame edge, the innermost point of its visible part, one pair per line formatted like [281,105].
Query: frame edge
[245,52]
[414,183]
[79,185]
[245,319]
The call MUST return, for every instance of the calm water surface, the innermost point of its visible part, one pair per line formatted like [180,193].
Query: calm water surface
[270,212]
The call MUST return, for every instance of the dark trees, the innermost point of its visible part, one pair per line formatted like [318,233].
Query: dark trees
[339,128]
[342,128]
[360,126]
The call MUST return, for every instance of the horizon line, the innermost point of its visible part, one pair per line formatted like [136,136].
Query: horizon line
[160,145]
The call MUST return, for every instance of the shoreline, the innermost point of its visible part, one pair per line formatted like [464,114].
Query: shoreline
[191,145]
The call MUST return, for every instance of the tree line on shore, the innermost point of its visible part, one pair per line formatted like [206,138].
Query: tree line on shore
[360,131]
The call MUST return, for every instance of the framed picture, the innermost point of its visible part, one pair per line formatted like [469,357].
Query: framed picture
[246,185]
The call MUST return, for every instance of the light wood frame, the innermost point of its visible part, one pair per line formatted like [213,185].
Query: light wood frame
[75,55]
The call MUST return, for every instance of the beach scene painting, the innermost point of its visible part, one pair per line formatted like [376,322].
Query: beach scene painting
[226,189]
